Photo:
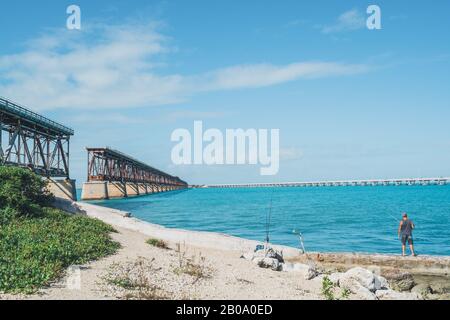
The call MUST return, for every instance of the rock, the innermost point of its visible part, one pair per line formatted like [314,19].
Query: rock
[358,275]
[335,277]
[381,283]
[422,289]
[395,295]
[440,288]
[445,297]
[364,294]
[433,297]
[358,292]
[268,263]
[270,253]
[274,255]
[309,272]
[269,258]
[402,281]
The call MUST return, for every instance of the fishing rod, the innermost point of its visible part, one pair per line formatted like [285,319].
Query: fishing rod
[269,219]
[392,216]
[300,236]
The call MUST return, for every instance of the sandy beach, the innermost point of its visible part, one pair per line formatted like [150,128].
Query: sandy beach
[220,271]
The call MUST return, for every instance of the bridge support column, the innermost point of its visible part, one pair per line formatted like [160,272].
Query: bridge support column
[95,191]
[142,189]
[104,190]
[62,189]
[117,190]
[132,189]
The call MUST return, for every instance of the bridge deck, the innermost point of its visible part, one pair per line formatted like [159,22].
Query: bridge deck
[12,112]
[32,141]
[375,182]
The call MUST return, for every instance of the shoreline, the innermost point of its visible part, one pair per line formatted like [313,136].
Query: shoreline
[113,216]
[194,265]
[210,240]
[423,264]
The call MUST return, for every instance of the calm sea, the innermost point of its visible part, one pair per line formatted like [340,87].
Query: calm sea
[332,219]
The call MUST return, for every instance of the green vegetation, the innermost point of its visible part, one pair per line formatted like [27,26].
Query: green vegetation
[22,194]
[158,243]
[328,290]
[37,243]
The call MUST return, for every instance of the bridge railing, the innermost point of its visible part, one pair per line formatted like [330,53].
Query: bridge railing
[105,164]
[378,182]
[19,110]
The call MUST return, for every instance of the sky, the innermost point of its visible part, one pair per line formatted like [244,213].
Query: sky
[350,103]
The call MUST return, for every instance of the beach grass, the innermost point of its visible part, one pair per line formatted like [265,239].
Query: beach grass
[158,243]
[134,280]
[195,266]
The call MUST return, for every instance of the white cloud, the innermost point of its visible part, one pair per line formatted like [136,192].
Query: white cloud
[119,67]
[348,21]
[190,114]
[116,118]
[262,75]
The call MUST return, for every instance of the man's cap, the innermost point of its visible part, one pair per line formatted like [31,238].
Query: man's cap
[404,214]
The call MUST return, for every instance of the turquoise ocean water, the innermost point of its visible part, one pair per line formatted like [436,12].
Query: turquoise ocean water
[332,219]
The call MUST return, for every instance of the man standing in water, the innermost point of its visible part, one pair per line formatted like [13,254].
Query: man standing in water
[405,233]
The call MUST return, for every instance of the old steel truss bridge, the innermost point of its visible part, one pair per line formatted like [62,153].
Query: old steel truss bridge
[32,141]
[113,174]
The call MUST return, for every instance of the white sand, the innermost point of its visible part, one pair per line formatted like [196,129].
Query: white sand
[230,276]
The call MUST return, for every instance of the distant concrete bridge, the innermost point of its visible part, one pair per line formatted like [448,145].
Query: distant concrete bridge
[341,183]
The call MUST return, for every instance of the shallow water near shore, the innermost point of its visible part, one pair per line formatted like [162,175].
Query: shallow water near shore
[332,219]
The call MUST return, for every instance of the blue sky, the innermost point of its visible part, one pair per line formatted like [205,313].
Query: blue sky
[350,103]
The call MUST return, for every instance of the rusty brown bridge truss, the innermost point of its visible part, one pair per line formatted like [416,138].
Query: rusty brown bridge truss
[113,174]
[32,141]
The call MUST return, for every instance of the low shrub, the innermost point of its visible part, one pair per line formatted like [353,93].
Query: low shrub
[329,289]
[22,194]
[36,251]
